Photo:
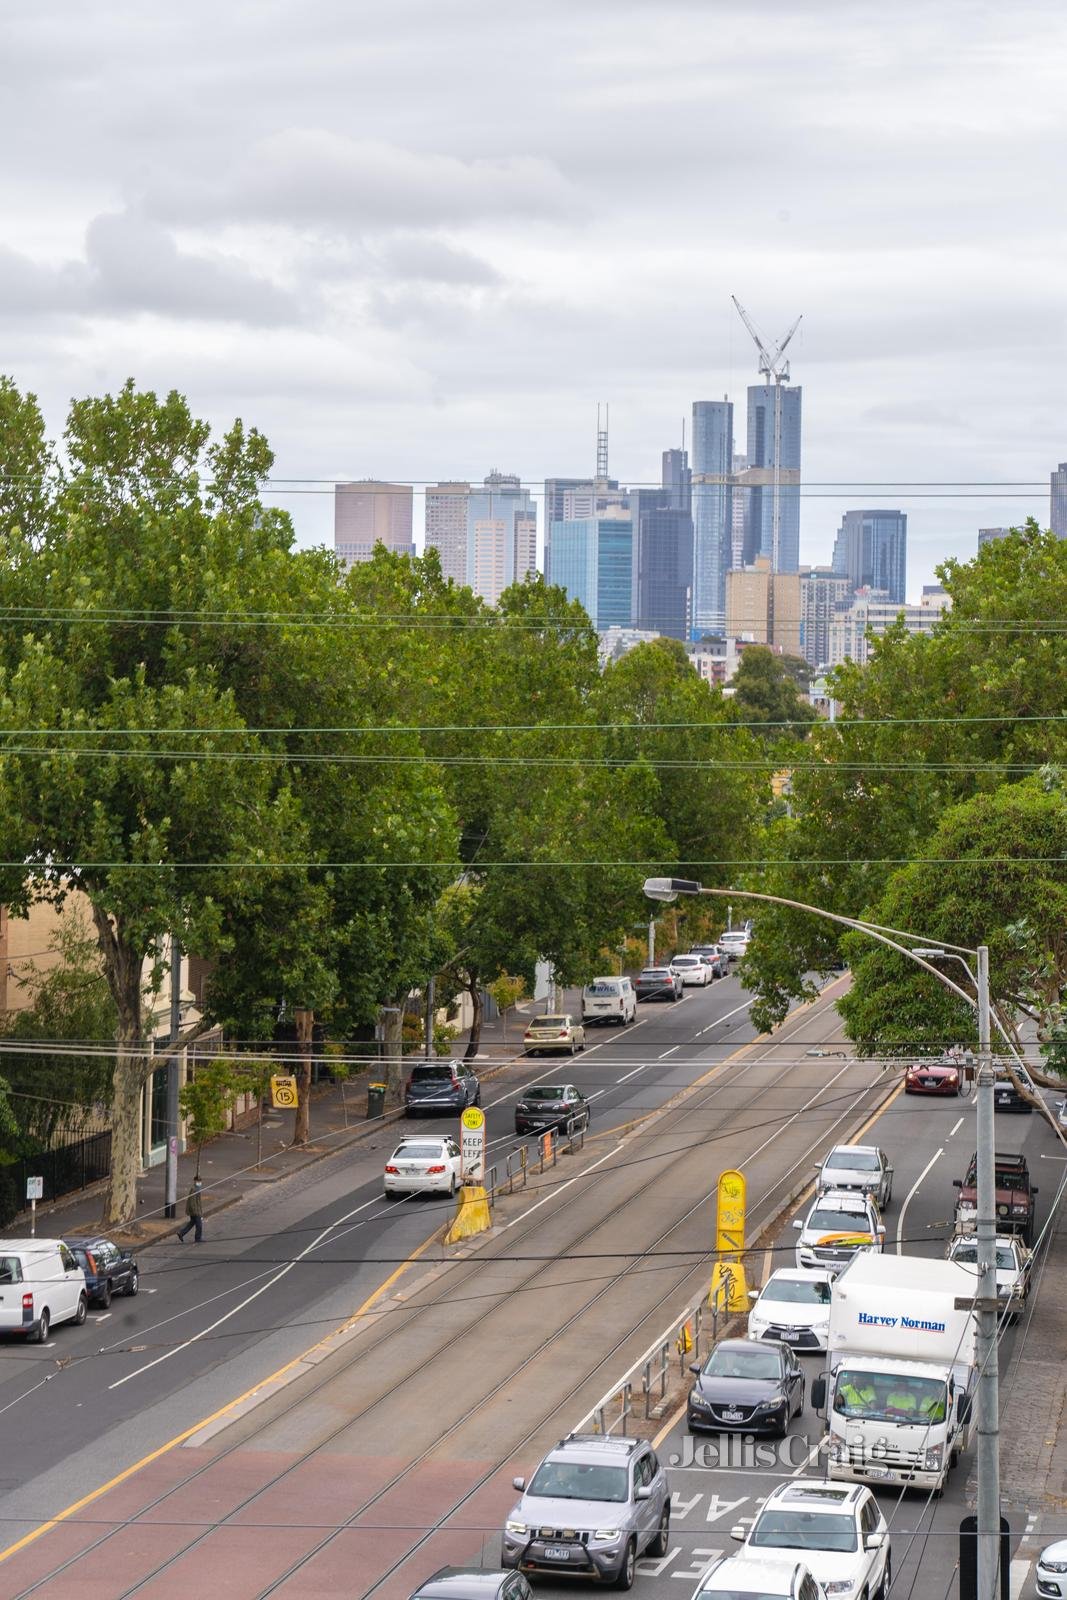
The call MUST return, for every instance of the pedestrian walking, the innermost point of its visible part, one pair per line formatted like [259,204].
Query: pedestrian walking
[194,1210]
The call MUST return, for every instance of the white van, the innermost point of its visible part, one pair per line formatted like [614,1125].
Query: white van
[609,1000]
[40,1284]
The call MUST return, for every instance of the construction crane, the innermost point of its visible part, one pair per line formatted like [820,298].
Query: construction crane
[776,371]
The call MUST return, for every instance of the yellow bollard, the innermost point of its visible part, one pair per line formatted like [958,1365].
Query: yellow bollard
[472,1214]
[734,1295]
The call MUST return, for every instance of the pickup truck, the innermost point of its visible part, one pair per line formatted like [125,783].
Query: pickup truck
[1016,1197]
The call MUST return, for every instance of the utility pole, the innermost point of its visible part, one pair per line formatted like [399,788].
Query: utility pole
[988,1398]
[173,1105]
[431,988]
[652,941]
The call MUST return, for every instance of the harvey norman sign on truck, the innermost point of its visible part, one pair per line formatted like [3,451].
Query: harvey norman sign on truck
[919,1324]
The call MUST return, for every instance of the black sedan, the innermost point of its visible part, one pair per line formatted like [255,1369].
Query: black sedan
[549,1105]
[108,1269]
[744,1384]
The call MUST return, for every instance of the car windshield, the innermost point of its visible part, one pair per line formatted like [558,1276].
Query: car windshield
[737,1361]
[853,1160]
[967,1254]
[686,961]
[829,1220]
[544,1091]
[797,1292]
[431,1074]
[552,1022]
[579,1480]
[655,972]
[887,1397]
[803,1530]
[419,1152]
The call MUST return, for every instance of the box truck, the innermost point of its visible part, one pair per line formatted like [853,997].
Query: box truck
[898,1389]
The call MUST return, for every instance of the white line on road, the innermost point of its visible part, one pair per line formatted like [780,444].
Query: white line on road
[911,1195]
[956,1129]
[634,1073]
[554,1192]
[1018,1573]
[669,1052]
[725,1017]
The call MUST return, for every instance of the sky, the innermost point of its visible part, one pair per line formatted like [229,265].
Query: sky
[423,239]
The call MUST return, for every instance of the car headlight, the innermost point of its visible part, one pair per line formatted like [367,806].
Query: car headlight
[837,1451]
[1052,1566]
[842,1586]
[606,1533]
[770,1405]
[1019,1211]
[698,1400]
[933,1458]
[516,1527]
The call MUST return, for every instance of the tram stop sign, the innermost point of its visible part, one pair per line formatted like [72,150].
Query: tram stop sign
[472,1144]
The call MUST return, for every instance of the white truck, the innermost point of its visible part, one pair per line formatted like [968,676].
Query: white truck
[898,1389]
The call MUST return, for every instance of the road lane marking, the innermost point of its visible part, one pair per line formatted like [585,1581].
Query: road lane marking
[554,1192]
[725,1017]
[955,1129]
[187,1433]
[632,1074]
[669,1052]
[911,1195]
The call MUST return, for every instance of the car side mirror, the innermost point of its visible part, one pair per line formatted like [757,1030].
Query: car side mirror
[818,1393]
[874,1541]
[518,1483]
[965,1409]
[957,1183]
[1034,1189]
[753,1294]
[644,1492]
[738,1533]
[694,1366]
[798,1225]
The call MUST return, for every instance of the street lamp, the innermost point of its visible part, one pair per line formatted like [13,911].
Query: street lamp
[988,1519]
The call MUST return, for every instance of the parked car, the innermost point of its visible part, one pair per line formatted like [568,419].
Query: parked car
[735,1578]
[439,1086]
[838,1226]
[421,1165]
[859,1168]
[1013,1267]
[933,1077]
[658,983]
[793,1306]
[746,1383]
[1006,1096]
[609,1000]
[716,958]
[594,1505]
[549,1105]
[557,1032]
[1051,1571]
[838,1529]
[1016,1196]
[735,942]
[41,1285]
[693,972]
[473,1583]
[108,1269]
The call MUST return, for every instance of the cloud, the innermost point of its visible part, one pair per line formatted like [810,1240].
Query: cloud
[417,258]
[312,177]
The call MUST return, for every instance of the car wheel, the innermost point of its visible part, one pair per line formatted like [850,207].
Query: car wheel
[574,1048]
[452,1188]
[43,1325]
[83,1307]
[658,1547]
[477,1096]
[105,1295]
[133,1282]
[887,1578]
[625,1576]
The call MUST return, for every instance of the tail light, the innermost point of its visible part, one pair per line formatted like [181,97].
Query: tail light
[563,1033]
[27,1302]
[90,1262]
[391,1168]
[435,1169]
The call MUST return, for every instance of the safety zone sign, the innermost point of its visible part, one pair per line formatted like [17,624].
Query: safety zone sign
[472,1144]
[283,1095]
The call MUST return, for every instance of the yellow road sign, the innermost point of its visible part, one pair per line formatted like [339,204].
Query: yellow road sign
[283,1096]
[473,1118]
[730,1234]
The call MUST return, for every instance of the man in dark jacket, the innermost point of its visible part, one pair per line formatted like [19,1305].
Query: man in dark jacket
[194,1210]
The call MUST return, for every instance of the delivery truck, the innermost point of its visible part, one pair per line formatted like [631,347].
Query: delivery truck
[898,1389]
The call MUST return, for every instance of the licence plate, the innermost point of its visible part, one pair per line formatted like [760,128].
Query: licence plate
[731,1416]
[877,1472]
[555,1552]
[791,1333]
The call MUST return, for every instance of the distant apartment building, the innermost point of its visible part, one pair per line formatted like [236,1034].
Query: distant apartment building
[446,527]
[822,592]
[1057,519]
[677,479]
[737,532]
[871,615]
[716,666]
[773,441]
[664,558]
[370,512]
[486,535]
[763,607]
[614,643]
[712,502]
[871,551]
[593,559]
[989,535]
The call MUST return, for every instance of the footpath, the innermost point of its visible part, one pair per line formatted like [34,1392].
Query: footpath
[229,1166]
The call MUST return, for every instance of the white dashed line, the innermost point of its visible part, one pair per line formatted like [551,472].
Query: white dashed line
[633,1074]
[669,1052]
[911,1195]
[956,1129]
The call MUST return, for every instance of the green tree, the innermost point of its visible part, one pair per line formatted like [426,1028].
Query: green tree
[768,689]
[208,1098]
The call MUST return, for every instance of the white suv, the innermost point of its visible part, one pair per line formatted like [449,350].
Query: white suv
[836,1528]
[731,1576]
[860,1168]
[837,1227]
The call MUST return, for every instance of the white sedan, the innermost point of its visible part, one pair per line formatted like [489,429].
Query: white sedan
[1013,1267]
[557,1032]
[793,1306]
[423,1166]
[692,971]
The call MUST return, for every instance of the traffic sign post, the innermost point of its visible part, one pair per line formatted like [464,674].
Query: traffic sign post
[472,1144]
[730,1240]
[34,1192]
[283,1095]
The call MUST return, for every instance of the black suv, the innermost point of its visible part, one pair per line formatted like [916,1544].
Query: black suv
[108,1270]
[437,1086]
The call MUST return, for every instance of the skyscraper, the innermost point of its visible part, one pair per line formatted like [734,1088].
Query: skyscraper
[761,474]
[446,527]
[663,601]
[822,591]
[713,456]
[553,512]
[1057,520]
[501,535]
[677,479]
[370,512]
[593,559]
[987,535]
[871,551]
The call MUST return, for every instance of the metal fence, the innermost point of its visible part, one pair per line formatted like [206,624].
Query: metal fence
[69,1167]
[518,1160]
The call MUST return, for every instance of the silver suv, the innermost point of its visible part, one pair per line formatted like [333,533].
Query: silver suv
[592,1507]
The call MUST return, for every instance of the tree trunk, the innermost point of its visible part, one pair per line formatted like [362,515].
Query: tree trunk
[304,1018]
[123,968]
[392,1029]
[475,1039]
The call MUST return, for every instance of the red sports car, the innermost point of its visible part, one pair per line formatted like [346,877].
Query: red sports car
[933,1077]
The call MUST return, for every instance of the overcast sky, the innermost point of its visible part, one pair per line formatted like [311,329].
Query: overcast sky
[422,238]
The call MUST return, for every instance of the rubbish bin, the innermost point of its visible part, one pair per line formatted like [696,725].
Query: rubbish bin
[376,1099]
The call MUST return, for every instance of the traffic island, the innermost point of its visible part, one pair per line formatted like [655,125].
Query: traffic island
[472,1214]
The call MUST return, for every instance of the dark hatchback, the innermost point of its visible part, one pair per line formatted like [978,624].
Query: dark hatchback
[108,1270]
[742,1384]
[436,1086]
[549,1105]
[473,1583]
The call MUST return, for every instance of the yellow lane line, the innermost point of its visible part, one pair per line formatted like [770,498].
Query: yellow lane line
[231,1405]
